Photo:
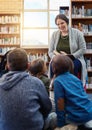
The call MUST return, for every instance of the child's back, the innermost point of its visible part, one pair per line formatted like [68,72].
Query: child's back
[71,100]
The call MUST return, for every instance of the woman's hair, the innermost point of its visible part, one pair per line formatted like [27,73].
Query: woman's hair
[37,67]
[62,64]
[63,17]
[17,60]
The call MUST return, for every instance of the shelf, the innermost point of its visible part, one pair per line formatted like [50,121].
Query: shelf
[10,13]
[10,33]
[80,1]
[88,52]
[9,45]
[1,55]
[89,70]
[83,17]
[9,23]
[88,35]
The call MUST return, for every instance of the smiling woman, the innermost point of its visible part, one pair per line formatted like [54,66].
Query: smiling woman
[67,40]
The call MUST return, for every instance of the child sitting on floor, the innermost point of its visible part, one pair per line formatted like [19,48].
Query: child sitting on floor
[38,69]
[71,101]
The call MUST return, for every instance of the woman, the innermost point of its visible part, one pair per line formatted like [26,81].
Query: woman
[69,41]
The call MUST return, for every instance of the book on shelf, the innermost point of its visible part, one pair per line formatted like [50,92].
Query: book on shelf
[89,45]
[10,40]
[43,56]
[88,63]
[78,12]
[81,12]
[9,19]
[64,10]
[85,28]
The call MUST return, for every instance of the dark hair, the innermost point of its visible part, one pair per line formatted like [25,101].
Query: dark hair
[37,67]
[62,64]
[63,17]
[17,59]
[4,61]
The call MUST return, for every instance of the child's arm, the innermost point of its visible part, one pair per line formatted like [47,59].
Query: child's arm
[59,103]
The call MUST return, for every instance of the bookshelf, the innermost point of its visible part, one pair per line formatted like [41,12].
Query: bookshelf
[34,53]
[81,18]
[10,31]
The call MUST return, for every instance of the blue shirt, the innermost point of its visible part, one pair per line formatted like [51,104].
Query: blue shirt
[77,106]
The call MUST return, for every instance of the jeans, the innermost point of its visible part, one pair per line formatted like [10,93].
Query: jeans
[50,121]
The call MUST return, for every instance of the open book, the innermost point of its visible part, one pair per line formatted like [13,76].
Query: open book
[71,56]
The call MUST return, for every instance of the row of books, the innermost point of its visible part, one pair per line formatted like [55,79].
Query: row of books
[43,56]
[10,40]
[4,50]
[9,19]
[88,62]
[86,29]
[89,67]
[81,12]
[9,29]
[31,56]
[89,82]
[89,45]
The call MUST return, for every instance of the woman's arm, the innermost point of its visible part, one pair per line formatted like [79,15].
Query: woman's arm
[77,43]
[53,43]
[51,47]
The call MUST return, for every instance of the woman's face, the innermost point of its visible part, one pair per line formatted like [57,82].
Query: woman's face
[62,25]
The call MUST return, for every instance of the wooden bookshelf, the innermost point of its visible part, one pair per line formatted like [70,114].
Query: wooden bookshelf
[81,18]
[10,31]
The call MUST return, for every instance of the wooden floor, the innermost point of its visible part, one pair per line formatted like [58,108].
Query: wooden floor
[68,127]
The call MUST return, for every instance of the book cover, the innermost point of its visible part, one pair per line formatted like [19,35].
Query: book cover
[64,10]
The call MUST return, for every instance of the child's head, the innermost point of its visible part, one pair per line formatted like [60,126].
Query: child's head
[3,63]
[38,67]
[17,60]
[62,64]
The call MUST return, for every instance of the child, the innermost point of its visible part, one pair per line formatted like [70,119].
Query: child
[38,69]
[24,102]
[3,64]
[71,70]
[71,101]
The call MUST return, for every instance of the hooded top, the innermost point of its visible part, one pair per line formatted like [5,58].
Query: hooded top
[24,102]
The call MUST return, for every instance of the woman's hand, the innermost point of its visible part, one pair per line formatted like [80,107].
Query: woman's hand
[62,52]
[56,53]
